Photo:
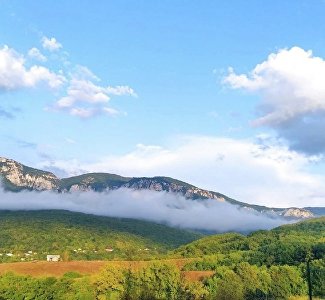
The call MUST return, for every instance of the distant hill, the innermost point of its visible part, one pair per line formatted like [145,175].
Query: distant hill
[317,211]
[29,235]
[17,177]
[287,244]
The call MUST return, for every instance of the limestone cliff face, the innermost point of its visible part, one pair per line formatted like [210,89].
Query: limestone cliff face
[290,213]
[16,177]
[19,176]
[299,213]
[162,184]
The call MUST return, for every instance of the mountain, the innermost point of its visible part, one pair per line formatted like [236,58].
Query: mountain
[17,177]
[30,235]
[317,211]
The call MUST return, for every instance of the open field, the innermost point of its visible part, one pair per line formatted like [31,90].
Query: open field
[44,268]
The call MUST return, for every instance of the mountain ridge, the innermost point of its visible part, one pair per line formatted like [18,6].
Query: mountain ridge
[17,177]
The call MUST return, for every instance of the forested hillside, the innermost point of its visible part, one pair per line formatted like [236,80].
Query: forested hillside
[30,235]
[263,265]
[288,244]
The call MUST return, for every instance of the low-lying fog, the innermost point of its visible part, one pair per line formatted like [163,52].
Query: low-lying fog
[160,207]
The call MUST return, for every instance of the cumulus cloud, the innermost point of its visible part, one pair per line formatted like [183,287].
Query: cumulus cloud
[261,172]
[15,75]
[160,207]
[36,54]
[51,44]
[85,98]
[291,84]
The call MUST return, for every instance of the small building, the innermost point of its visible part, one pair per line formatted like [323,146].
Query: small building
[53,257]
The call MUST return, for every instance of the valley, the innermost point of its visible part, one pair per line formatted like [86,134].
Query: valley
[206,267]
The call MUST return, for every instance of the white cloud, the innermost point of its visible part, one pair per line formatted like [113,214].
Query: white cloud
[291,84]
[51,44]
[36,54]
[82,112]
[260,174]
[120,90]
[110,111]
[83,91]
[148,205]
[15,75]
[82,72]
[83,98]
[86,99]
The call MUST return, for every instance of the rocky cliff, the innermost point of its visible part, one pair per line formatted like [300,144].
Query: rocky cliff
[17,177]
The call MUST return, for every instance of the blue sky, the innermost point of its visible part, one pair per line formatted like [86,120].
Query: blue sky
[143,88]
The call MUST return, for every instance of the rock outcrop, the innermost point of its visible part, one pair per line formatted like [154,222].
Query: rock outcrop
[20,177]
[17,177]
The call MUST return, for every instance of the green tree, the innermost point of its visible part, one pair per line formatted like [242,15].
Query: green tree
[109,283]
[160,281]
[194,290]
[230,287]
[318,277]
[285,282]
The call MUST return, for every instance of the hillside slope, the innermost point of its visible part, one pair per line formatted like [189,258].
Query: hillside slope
[287,244]
[29,235]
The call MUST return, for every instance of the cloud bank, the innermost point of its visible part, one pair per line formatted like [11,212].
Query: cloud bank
[291,85]
[160,207]
[258,172]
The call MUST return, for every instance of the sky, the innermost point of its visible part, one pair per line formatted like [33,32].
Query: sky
[226,95]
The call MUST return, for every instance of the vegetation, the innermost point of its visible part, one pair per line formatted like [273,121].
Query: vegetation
[163,281]
[263,265]
[288,244]
[30,235]
[100,182]
[97,181]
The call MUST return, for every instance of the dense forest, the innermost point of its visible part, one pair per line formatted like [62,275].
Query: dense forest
[31,235]
[262,265]
[165,281]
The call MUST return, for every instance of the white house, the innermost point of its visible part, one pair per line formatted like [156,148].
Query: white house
[53,257]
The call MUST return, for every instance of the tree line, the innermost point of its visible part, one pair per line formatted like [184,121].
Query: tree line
[161,281]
